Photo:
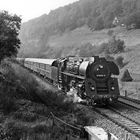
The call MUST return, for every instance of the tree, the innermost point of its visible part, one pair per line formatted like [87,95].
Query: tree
[9,31]
[119,61]
[132,20]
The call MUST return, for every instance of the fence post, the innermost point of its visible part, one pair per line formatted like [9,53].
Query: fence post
[125,92]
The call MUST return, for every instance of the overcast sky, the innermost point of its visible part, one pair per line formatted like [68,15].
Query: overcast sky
[29,9]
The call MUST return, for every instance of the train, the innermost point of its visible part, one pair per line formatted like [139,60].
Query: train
[93,78]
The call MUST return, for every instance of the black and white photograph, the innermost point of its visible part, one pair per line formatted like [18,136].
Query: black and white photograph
[70,70]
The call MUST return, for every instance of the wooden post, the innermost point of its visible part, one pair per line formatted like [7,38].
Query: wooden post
[125,92]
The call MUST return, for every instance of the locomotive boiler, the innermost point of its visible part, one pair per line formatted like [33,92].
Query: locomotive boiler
[94,79]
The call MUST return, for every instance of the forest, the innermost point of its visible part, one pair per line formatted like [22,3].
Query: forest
[96,14]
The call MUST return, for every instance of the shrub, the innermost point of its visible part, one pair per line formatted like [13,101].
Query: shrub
[102,48]
[109,58]
[56,99]
[7,88]
[26,116]
[115,45]
[110,32]
[14,85]
[119,61]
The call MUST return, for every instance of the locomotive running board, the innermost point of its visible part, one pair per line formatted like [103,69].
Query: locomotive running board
[76,76]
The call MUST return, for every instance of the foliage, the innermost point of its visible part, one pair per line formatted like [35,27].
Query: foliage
[15,85]
[26,116]
[109,58]
[99,24]
[31,120]
[8,88]
[119,61]
[110,33]
[9,31]
[96,14]
[132,20]
[83,12]
[115,46]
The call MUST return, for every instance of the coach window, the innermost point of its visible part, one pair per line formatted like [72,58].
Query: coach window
[43,66]
[46,67]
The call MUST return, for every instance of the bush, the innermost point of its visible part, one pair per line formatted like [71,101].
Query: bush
[109,58]
[7,88]
[15,85]
[115,45]
[119,61]
[56,99]
[102,48]
[110,33]
[26,116]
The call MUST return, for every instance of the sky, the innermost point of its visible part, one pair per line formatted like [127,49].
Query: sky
[29,9]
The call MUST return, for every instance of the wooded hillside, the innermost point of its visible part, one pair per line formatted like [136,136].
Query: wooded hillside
[96,14]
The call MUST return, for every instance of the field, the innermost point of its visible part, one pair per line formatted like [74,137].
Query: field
[85,35]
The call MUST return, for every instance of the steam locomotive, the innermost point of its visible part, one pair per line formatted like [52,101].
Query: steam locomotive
[94,78]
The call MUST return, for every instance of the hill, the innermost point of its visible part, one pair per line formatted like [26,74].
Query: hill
[64,21]
[73,30]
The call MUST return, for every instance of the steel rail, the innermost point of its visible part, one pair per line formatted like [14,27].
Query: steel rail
[125,123]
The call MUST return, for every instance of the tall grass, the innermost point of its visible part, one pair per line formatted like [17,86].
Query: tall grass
[19,91]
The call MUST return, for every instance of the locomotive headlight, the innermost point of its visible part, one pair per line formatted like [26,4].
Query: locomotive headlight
[80,85]
[92,88]
[112,88]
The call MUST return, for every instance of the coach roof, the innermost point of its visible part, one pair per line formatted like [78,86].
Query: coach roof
[39,60]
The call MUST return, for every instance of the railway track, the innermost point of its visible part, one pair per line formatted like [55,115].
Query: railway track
[120,119]
[131,102]
[132,115]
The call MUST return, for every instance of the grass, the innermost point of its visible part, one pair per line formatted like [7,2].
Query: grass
[84,35]
[23,115]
